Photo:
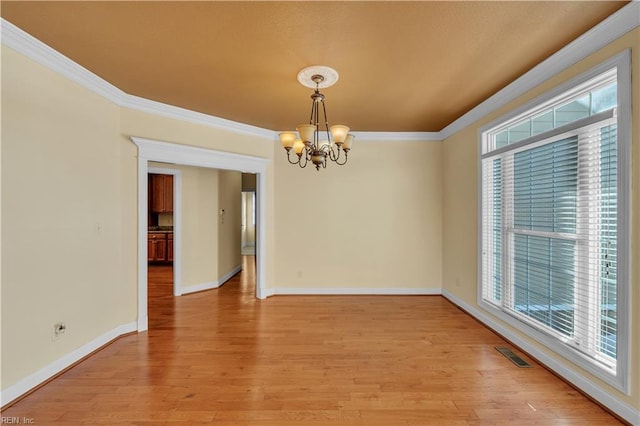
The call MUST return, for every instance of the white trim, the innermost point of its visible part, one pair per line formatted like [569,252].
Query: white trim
[170,111]
[167,152]
[177,223]
[33,380]
[261,235]
[615,26]
[612,28]
[574,377]
[143,236]
[398,291]
[625,215]
[153,150]
[213,284]
[29,46]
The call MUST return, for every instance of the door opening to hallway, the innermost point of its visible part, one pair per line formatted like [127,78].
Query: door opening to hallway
[248,223]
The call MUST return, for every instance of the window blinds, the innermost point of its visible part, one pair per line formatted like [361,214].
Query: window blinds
[549,233]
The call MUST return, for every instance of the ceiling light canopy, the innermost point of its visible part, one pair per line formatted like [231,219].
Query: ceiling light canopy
[309,143]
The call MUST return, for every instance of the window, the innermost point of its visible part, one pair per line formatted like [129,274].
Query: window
[554,233]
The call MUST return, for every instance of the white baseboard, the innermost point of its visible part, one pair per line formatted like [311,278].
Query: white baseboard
[30,382]
[619,407]
[328,291]
[211,285]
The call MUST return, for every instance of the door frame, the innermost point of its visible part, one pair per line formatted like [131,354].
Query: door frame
[165,152]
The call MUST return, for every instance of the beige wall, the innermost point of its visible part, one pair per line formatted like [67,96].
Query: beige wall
[63,193]
[229,240]
[376,222]
[460,164]
[199,226]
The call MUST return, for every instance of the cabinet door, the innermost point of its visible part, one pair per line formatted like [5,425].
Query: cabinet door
[151,250]
[157,196]
[168,193]
[156,247]
[169,247]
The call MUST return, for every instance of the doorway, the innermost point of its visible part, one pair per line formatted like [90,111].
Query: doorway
[248,236]
[164,221]
[248,226]
[158,151]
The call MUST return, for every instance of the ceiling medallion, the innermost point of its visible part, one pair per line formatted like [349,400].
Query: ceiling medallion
[309,143]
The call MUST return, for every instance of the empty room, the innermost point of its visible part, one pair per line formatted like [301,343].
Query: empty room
[320,213]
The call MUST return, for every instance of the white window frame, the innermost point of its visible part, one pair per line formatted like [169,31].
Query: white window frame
[618,377]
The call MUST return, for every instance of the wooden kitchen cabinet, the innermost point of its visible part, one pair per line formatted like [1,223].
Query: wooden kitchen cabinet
[161,193]
[157,247]
[170,247]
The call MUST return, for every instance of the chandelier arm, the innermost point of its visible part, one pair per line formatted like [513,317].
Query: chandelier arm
[306,159]
[289,158]
[334,153]
[346,157]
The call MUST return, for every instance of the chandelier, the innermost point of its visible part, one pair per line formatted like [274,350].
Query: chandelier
[317,141]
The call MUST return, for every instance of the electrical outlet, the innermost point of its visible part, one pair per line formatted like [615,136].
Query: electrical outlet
[58,330]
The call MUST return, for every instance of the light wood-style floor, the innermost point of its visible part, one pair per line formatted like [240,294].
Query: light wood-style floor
[224,357]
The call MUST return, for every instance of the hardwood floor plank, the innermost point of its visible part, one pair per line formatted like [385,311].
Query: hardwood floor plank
[224,357]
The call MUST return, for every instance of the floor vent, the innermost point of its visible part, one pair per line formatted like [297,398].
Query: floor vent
[513,357]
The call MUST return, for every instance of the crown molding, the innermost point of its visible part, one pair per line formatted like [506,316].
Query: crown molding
[29,46]
[613,27]
[170,111]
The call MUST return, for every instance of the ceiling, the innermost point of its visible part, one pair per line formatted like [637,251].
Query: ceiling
[403,66]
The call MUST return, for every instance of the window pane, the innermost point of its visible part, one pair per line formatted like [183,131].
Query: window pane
[542,123]
[520,132]
[604,98]
[544,281]
[502,139]
[580,108]
[545,187]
